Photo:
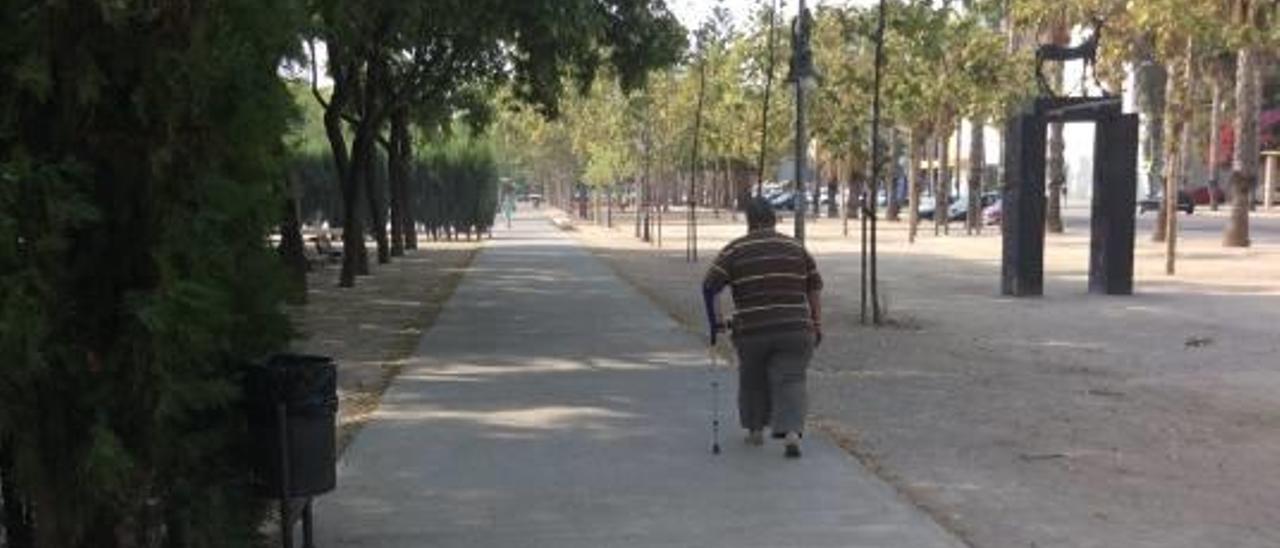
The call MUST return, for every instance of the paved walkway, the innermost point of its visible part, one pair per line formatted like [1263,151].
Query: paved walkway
[554,406]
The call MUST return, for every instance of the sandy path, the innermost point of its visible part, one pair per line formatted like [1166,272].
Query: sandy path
[1068,420]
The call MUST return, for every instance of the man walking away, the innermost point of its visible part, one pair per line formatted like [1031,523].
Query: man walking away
[776,324]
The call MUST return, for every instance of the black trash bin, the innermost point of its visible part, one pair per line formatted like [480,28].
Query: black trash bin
[297,394]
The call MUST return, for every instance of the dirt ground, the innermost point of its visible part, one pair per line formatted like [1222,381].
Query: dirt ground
[389,311]
[1067,420]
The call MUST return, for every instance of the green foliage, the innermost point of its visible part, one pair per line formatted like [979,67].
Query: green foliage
[942,63]
[442,61]
[306,129]
[140,151]
[534,149]
[843,47]
[750,66]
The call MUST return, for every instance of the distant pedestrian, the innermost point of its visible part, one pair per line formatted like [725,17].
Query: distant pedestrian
[508,207]
[777,323]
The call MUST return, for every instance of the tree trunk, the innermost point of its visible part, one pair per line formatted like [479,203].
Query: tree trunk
[1187,157]
[730,189]
[892,205]
[915,178]
[292,248]
[1169,149]
[646,185]
[409,216]
[639,207]
[726,188]
[1215,148]
[661,209]
[957,174]
[362,203]
[352,231]
[373,90]
[1152,81]
[716,191]
[695,166]
[1057,165]
[942,199]
[816,199]
[1178,161]
[712,191]
[845,208]
[1245,157]
[17,524]
[398,174]
[1057,179]
[1060,34]
[343,74]
[833,194]
[977,163]
[396,207]
[376,195]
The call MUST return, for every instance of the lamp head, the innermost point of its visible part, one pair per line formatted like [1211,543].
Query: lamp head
[802,69]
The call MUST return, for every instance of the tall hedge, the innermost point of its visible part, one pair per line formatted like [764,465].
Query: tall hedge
[140,148]
[454,188]
[318,196]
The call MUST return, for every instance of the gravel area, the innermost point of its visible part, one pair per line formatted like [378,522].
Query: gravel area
[1069,420]
[372,328]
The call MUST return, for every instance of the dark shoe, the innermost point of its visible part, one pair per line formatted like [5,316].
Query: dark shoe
[793,445]
[755,438]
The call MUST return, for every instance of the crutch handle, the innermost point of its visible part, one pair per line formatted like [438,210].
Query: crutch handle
[719,327]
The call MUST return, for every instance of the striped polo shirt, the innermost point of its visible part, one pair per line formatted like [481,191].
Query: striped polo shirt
[771,275]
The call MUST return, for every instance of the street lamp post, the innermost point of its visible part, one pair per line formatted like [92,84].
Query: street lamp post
[805,77]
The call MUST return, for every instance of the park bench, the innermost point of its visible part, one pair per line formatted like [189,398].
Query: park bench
[325,250]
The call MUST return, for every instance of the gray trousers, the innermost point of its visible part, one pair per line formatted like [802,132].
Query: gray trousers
[771,380]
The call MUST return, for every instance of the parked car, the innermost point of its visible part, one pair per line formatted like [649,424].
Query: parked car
[1185,203]
[959,210]
[1200,195]
[952,210]
[784,200]
[926,207]
[994,213]
[956,211]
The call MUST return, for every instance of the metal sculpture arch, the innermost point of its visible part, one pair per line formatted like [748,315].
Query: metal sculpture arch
[1115,169]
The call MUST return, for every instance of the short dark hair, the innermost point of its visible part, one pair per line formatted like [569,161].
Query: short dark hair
[760,213]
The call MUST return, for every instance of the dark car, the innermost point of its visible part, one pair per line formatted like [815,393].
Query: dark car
[959,210]
[785,200]
[927,205]
[994,213]
[1185,203]
[1202,195]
